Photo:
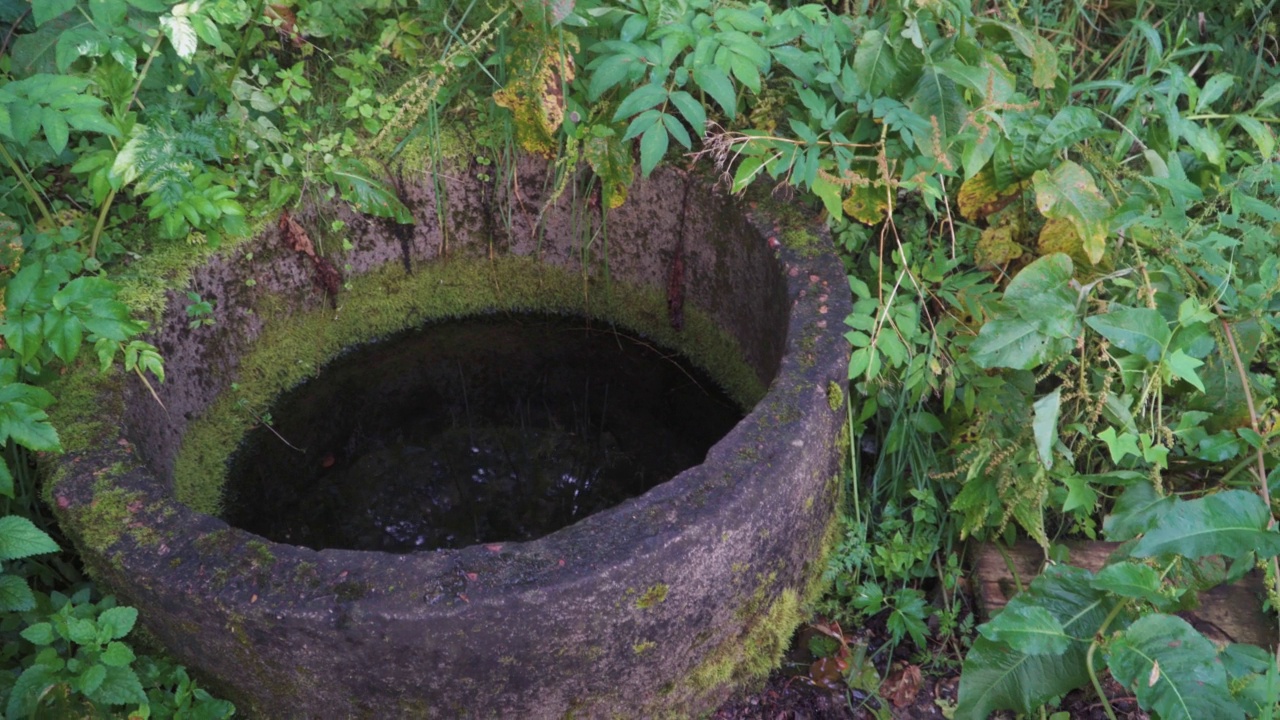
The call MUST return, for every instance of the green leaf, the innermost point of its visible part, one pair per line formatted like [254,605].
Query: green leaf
[1173,670]
[677,131]
[117,622]
[1261,134]
[1232,523]
[875,63]
[1029,629]
[1131,580]
[27,690]
[368,194]
[1184,366]
[1213,89]
[1045,425]
[642,98]
[995,676]
[181,35]
[15,596]
[828,192]
[1016,343]
[64,333]
[1135,512]
[1080,495]
[28,427]
[6,479]
[653,145]
[1141,331]
[692,111]
[42,11]
[117,654]
[1068,191]
[1042,294]
[716,83]
[20,538]
[1041,52]
[39,634]
[91,678]
[119,687]
[1067,128]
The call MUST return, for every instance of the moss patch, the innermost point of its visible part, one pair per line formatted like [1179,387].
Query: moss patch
[653,596]
[294,347]
[835,396]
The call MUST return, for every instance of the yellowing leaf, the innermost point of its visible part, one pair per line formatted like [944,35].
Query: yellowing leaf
[866,203]
[981,195]
[1069,192]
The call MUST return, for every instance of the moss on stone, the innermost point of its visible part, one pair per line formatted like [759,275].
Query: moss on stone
[654,595]
[835,396]
[294,347]
[643,647]
[102,522]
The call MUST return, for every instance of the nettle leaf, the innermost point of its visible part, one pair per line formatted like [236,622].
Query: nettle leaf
[20,538]
[1016,343]
[1029,629]
[1039,322]
[120,686]
[996,676]
[1045,425]
[1141,331]
[117,622]
[1173,670]
[1069,192]
[1232,523]
[367,193]
[15,595]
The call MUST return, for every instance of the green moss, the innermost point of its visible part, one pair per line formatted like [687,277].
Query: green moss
[654,595]
[388,300]
[835,396]
[102,522]
[643,647]
[350,590]
[261,554]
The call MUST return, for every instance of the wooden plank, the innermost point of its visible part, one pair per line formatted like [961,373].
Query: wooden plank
[1227,613]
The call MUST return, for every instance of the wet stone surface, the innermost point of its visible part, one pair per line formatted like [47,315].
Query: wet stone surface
[497,429]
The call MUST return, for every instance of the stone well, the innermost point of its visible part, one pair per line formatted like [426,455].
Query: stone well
[657,607]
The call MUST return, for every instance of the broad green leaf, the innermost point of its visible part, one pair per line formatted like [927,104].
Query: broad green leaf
[117,654]
[6,479]
[120,686]
[180,34]
[1067,128]
[117,622]
[42,11]
[1040,51]
[79,42]
[1120,445]
[1045,425]
[27,690]
[716,83]
[1016,343]
[997,677]
[653,145]
[1080,494]
[91,678]
[1141,331]
[875,63]
[936,99]
[1131,580]
[612,162]
[20,538]
[1173,670]
[367,193]
[1068,191]
[829,193]
[677,130]
[1135,512]
[1232,523]
[39,634]
[1041,293]
[1027,628]
[28,427]
[747,171]
[15,596]
[642,98]
[64,333]
[1184,366]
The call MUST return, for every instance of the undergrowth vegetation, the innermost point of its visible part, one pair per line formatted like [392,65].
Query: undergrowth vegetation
[1059,221]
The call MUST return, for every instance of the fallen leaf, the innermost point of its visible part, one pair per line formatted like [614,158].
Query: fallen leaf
[902,685]
[294,236]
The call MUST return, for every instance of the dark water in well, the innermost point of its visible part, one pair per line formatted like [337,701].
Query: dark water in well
[499,429]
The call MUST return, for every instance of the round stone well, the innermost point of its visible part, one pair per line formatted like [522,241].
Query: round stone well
[657,607]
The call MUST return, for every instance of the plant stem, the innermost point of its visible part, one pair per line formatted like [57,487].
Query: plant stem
[102,221]
[26,183]
[1261,457]
[1088,660]
[155,48]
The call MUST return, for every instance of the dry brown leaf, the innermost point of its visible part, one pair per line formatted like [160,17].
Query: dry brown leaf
[902,685]
[294,237]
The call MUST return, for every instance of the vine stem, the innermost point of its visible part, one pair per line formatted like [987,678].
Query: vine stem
[137,87]
[1261,456]
[1088,660]
[26,183]
[102,221]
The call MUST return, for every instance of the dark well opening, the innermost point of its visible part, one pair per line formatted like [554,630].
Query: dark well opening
[501,428]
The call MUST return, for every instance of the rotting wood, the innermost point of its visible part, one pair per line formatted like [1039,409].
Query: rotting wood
[1227,613]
